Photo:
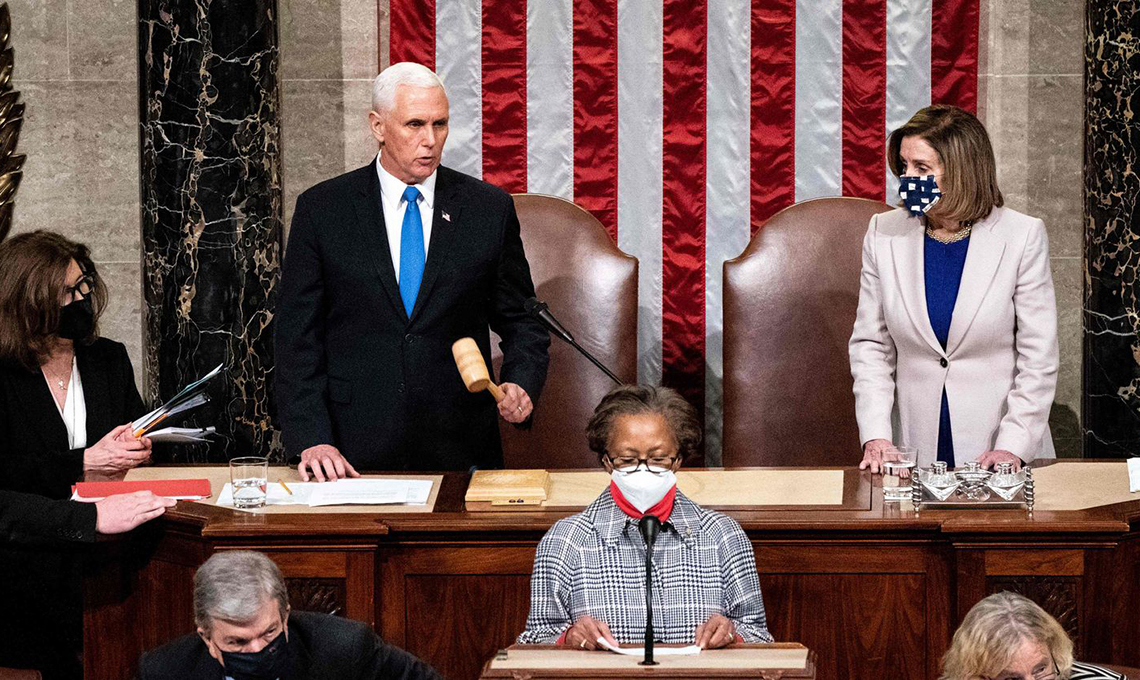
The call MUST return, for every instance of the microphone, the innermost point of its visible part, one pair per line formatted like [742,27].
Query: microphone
[649,526]
[540,311]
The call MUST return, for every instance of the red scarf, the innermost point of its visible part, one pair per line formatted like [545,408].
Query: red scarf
[662,510]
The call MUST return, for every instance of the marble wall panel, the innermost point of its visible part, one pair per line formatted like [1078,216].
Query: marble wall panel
[100,44]
[39,39]
[211,169]
[1112,230]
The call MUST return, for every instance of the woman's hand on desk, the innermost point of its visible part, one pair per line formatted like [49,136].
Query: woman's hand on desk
[326,462]
[117,450]
[990,459]
[873,454]
[715,633]
[116,514]
[585,632]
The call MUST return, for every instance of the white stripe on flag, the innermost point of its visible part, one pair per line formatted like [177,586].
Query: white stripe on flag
[640,121]
[728,185]
[459,63]
[908,69]
[550,97]
[819,98]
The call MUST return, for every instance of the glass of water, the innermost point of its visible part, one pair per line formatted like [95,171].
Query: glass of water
[248,476]
[898,462]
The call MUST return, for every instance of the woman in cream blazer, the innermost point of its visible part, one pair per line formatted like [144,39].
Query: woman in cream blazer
[927,351]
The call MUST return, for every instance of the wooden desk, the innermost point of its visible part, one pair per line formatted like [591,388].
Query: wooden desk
[780,661]
[874,592]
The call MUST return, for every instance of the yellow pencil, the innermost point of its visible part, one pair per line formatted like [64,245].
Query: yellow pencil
[285,487]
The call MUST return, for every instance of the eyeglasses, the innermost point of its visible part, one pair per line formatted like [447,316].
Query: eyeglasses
[657,464]
[1047,674]
[83,288]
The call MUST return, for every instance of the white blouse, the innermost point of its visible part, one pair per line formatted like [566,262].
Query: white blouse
[74,411]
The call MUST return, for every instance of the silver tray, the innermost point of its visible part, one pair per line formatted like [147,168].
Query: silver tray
[922,498]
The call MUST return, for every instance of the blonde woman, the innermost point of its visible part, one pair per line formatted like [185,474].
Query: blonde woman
[1008,637]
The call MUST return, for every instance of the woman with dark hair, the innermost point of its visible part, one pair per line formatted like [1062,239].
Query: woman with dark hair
[67,397]
[954,349]
[589,571]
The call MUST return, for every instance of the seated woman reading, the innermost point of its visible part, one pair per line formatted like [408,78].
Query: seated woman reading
[589,571]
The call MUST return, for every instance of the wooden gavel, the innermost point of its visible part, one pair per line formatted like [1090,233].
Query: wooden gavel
[469,361]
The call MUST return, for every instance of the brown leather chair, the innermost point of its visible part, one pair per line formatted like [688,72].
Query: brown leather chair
[19,674]
[789,306]
[591,288]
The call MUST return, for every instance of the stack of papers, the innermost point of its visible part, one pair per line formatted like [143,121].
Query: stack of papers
[178,489]
[657,651]
[191,396]
[342,492]
[181,435]
[1133,475]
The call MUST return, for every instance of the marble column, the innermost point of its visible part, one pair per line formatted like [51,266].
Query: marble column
[1112,230]
[211,211]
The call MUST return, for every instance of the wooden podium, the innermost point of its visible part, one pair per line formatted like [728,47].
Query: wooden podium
[542,662]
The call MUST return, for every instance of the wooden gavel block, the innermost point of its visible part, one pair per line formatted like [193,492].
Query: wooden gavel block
[469,361]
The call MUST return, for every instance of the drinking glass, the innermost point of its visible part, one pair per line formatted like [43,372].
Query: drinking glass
[248,476]
[897,465]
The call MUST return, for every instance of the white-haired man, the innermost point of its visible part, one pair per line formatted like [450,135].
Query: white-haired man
[386,267]
[246,632]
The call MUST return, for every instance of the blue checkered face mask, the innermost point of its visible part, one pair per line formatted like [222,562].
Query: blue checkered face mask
[918,194]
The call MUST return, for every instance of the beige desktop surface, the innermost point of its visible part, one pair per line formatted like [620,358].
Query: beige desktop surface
[1078,485]
[758,657]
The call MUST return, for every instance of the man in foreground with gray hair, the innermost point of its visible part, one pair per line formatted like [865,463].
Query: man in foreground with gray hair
[246,632]
[387,266]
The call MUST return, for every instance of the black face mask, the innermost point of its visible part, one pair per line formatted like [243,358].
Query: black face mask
[270,663]
[77,319]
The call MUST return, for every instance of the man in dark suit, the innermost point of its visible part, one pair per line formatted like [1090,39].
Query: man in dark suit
[387,266]
[246,632]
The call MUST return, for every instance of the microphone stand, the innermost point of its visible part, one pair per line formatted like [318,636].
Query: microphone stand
[540,310]
[649,526]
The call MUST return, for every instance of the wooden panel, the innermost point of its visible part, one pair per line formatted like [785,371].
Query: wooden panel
[457,622]
[308,563]
[324,595]
[836,557]
[861,626]
[1028,562]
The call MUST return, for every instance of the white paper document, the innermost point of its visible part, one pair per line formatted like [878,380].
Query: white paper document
[657,651]
[1134,474]
[342,492]
[181,435]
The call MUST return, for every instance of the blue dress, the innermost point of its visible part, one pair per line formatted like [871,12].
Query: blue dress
[943,274]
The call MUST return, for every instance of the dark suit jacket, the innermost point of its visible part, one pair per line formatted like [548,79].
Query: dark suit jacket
[39,584]
[355,372]
[32,519]
[322,646]
[33,438]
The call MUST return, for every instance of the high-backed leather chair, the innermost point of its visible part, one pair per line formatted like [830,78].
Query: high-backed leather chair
[19,674]
[789,307]
[591,288]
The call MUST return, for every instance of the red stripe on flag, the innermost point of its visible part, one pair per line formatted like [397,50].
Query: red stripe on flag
[683,216]
[595,109]
[773,138]
[864,97]
[954,53]
[412,32]
[504,94]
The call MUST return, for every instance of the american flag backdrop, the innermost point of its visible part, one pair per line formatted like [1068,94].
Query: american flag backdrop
[684,124]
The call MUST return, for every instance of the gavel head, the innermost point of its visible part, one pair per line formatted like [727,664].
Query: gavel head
[469,361]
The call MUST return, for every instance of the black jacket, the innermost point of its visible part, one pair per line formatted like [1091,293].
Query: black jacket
[322,646]
[39,581]
[355,372]
[33,438]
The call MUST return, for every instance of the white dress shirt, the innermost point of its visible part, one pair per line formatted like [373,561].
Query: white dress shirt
[74,411]
[393,203]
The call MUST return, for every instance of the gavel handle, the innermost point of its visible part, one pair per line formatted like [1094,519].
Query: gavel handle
[496,392]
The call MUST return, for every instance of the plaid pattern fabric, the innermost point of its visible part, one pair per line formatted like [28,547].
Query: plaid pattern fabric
[593,563]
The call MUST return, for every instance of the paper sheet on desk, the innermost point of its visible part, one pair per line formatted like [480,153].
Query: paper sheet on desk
[657,651]
[343,492]
[1134,474]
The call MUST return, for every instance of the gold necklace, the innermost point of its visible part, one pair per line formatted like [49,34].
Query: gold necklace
[60,382]
[962,233]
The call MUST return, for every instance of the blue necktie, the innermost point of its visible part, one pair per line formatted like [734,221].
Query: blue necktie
[411,250]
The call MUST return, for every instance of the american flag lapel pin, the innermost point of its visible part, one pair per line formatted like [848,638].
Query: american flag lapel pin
[446,216]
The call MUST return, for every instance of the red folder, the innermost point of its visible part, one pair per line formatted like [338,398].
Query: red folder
[178,489]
